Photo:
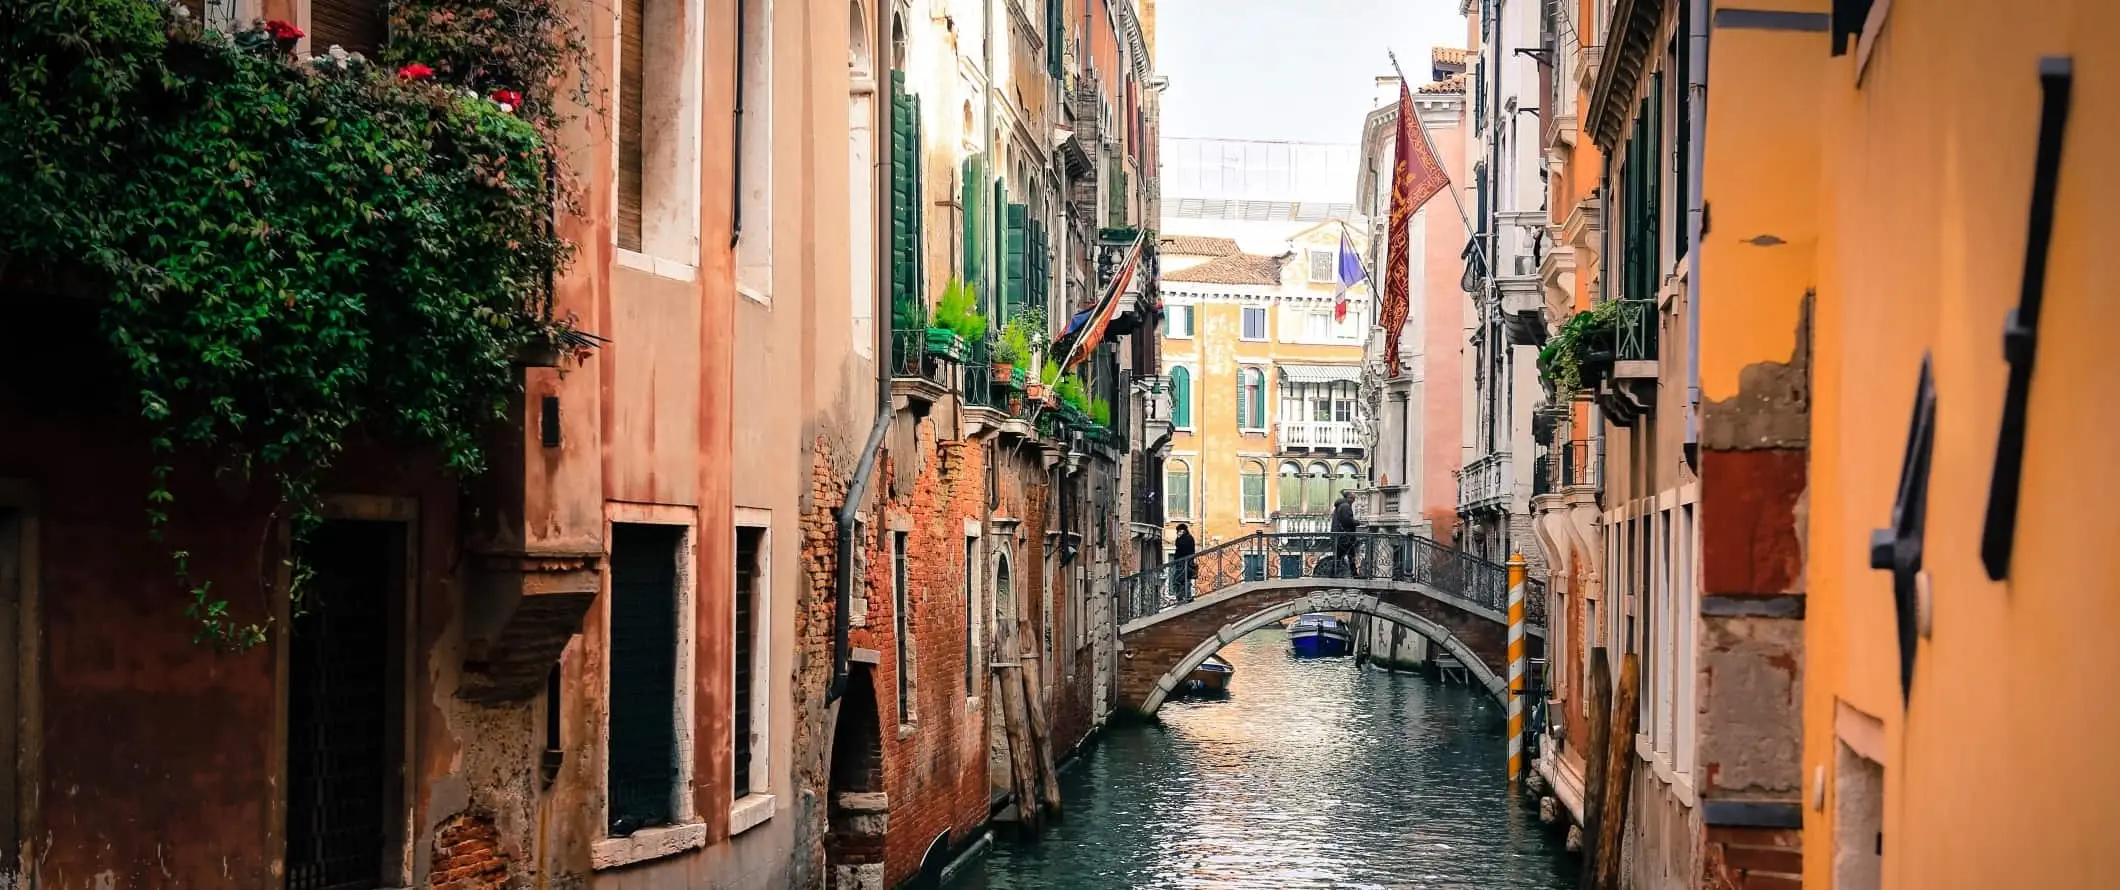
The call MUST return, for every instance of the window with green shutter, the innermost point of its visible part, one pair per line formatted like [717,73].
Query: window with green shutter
[998,214]
[1181,398]
[973,195]
[1056,37]
[1016,259]
[1115,209]
[905,195]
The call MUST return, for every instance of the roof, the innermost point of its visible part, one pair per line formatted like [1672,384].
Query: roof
[1243,268]
[1449,59]
[1321,373]
[1453,84]
[1199,245]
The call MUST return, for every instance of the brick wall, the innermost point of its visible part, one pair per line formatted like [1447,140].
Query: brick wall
[1752,859]
[467,854]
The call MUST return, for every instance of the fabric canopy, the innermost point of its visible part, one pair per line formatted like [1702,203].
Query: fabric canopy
[1321,373]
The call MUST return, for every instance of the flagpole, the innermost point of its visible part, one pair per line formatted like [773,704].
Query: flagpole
[1450,182]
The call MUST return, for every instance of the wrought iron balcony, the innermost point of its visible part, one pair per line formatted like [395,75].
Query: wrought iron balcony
[1332,435]
[1580,470]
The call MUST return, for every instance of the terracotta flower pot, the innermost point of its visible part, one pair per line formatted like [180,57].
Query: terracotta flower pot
[1002,372]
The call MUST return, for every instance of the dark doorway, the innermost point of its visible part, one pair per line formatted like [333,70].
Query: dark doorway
[345,720]
[854,846]
[13,585]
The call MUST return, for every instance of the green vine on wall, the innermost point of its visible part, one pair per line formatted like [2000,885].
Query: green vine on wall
[282,251]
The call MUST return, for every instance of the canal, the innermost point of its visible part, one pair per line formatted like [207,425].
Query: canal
[1309,774]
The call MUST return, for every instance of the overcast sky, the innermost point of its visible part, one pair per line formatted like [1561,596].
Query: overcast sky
[1300,70]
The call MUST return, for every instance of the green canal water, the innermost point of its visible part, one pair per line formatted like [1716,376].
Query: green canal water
[1309,774]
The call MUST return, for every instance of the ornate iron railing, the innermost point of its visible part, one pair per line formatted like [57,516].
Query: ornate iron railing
[1579,465]
[1372,556]
[1637,330]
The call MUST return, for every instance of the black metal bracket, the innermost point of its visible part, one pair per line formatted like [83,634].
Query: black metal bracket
[1898,549]
[2020,333]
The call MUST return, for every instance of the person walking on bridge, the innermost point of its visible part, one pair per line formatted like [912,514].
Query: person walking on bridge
[1181,567]
[1343,531]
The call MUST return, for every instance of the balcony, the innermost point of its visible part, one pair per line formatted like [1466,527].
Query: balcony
[1630,392]
[1320,435]
[1581,469]
[1484,483]
[1518,283]
[1155,408]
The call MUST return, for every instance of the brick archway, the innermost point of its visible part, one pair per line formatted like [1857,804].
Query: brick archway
[1157,659]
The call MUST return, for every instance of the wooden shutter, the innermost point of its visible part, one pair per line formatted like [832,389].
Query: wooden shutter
[973,195]
[1055,37]
[357,26]
[1041,267]
[905,195]
[1243,397]
[632,82]
[642,762]
[1180,398]
[1017,261]
[1115,210]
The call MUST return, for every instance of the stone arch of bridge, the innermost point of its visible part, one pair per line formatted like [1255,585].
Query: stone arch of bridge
[1355,601]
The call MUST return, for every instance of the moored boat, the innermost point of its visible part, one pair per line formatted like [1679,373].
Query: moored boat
[1211,677]
[1318,635]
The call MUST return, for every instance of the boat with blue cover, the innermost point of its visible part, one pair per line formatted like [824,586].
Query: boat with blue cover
[1318,635]
[1211,677]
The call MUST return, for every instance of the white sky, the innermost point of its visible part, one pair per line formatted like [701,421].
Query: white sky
[1298,70]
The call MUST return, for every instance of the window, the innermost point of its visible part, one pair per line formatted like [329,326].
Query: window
[1317,489]
[1181,398]
[754,158]
[861,178]
[357,26]
[1253,475]
[1291,480]
[1254,322]
[1178,321]
[658,172]
[1254,566]
[1177,488]
[1346,477]
[1251,399]
[971,611]
[1318,326]
[752,689]
[902,626]
[646,761]
[1322,267]
[1321,407]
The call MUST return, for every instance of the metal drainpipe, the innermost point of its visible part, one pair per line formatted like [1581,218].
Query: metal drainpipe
[1697,113]
[736,137]
[858,485]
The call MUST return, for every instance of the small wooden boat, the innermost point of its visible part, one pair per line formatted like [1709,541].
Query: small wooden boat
[1318,635]
[1211,677]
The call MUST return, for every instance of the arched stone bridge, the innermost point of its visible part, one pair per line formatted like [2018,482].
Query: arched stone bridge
[1457,601]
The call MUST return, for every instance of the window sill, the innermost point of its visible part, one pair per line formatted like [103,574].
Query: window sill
[646,845]
[1681,784]
[749,813]
[656,266]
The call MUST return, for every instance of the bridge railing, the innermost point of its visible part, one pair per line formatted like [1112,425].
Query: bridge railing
[1282,556]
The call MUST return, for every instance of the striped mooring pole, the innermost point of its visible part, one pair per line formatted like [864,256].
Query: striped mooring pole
[1516,668]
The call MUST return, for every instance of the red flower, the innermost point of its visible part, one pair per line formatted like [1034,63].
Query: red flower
[509,99]
[415,71]
[283,30]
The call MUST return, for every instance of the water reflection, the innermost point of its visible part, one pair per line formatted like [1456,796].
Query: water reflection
[1310,774]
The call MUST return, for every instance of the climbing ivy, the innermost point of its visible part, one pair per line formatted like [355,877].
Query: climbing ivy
[285,250]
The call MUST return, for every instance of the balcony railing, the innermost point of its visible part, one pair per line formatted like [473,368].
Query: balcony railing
[1637,328]
[1332,434]
[1484,481]
[1542,479]
[1580,465]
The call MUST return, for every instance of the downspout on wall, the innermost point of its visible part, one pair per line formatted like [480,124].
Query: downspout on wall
[1696,75]
[858,484]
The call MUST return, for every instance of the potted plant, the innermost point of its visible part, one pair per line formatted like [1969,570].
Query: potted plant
[1100,413]
[1043,388]
[957,321]
[1582,351]
[1010,349]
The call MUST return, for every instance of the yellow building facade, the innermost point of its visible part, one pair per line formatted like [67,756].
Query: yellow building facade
[1265,412]
[1984,768]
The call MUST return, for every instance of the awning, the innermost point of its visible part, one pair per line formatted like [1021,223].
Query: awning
[1321,373]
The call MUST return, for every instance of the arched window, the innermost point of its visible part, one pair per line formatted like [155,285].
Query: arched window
[1291,487]
[1177,489]
[898,51]
[1348,476]
[1317,489]
[861,190]
[1181,398]
[1253,476]
[1251,399]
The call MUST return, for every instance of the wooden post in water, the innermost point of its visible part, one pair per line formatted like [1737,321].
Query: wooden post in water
[1619,771]
[1598,702]
[1015,722]
[1041,739]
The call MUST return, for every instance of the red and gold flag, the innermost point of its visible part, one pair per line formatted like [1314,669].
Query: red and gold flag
[1417,175]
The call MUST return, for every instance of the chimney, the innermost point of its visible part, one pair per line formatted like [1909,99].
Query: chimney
[1387,91]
